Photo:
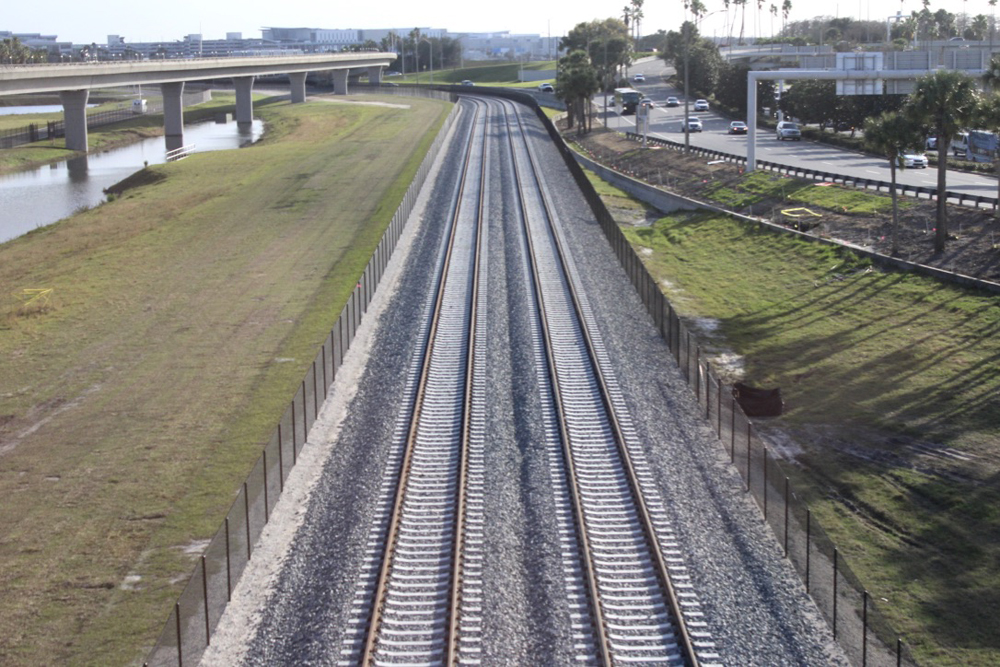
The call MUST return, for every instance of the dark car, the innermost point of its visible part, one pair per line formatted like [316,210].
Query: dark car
[672,102]
[737,127]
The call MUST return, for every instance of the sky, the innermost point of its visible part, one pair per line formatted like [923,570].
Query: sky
[171,20]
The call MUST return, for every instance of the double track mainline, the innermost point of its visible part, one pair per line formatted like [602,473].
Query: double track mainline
[420,594]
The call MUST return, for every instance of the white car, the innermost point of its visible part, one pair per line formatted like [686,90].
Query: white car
[701,105]
[915,161]
[788,130]
[546,88]
[693,124]
[640,77]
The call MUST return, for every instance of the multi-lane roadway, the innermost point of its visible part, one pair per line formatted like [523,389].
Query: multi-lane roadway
[666,123]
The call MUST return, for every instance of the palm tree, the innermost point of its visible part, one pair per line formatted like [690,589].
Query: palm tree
[980,24]
[576,82]
[890,134]
[944,102]
[991,77]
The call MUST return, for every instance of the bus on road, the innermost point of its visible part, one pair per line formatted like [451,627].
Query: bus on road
[626,100]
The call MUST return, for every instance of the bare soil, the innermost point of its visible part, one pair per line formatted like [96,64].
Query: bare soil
[974,238]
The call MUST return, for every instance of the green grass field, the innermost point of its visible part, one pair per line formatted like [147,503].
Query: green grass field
[892,389]
[181,318]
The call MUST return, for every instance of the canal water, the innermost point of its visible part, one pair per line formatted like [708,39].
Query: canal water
[32,199]
[35,108]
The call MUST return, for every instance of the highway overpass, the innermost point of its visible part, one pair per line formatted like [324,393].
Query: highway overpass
[74,81]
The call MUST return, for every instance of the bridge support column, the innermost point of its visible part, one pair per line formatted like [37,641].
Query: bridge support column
[244,100]
[375,76]
[75,118]
[173,114]
[339,77]
[298,80]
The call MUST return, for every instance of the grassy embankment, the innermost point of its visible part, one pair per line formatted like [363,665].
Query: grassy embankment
[873,366]
[488,74]
[106,137]
[182,317]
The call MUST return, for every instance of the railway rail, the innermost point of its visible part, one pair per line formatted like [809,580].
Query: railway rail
[419,596]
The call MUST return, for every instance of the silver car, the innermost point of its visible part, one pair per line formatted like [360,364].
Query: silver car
[789,130]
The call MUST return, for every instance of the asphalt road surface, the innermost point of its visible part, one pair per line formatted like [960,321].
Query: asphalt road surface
[666,123]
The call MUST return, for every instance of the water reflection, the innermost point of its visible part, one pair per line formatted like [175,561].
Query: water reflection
[31,199]
[77,169]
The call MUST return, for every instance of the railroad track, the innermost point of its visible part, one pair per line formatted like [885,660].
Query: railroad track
[420,593]
[641,606]
[423,561]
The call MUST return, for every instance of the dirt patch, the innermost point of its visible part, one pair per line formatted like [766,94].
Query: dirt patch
[142,177]
[974,235]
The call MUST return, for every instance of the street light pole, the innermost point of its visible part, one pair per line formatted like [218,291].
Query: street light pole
[687,56]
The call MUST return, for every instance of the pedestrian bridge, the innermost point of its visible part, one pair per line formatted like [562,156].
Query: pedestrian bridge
[74,81]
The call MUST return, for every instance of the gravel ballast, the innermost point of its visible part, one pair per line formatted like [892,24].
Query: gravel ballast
[295,595]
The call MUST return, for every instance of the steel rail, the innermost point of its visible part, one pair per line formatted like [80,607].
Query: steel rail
[392,534]
[597,613]
[646,521]
[462,491]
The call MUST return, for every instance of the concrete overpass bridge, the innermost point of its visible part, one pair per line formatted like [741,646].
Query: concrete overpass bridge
[74,81]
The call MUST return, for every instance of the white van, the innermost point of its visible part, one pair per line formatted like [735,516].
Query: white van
[139,106]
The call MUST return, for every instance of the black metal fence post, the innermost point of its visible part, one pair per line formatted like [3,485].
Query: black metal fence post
[764,466]
[229,567]
[786,516]
[718,406]
[864,631]
[204,594]
[305,415]
[835,592]
[177,617]
[808,544]
[246,508]
[732,429]
[266,508]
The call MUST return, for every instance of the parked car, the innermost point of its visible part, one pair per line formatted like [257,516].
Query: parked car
[737,127]
[546,88]
[640,77]
[914,160]
[467,83]
[701,105]
[693,124]
[788,130]
[673,102]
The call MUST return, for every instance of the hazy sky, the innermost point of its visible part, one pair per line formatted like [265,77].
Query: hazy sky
[167,20]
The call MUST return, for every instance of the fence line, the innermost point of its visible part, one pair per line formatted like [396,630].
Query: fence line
[862,631]
[188,629]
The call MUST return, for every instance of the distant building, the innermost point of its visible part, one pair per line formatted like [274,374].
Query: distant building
[475,46]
